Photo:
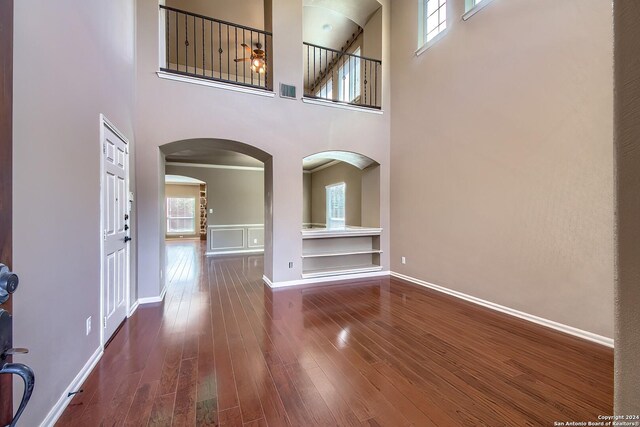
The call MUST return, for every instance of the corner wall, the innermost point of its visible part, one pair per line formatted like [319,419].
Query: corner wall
[502,168]
[73,60]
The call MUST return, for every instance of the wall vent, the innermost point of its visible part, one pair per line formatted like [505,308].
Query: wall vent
[287,91]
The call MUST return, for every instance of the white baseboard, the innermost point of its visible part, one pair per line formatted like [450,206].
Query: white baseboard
[316,280]
[133,309]
[64,400]
[153,300]
[242,251]
[589,336]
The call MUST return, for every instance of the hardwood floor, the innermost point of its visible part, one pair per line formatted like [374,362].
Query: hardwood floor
[223,349]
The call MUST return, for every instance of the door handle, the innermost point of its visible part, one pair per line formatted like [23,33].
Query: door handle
[8,283]
[127,239]
[29,378]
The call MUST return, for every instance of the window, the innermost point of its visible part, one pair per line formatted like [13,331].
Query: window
[336,205]
[470,4]
[435,18]
[349,78]
[326,90]
[181,215]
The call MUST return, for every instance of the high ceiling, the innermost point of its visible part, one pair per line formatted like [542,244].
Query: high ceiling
[320,159]
[330,23]
[215,156]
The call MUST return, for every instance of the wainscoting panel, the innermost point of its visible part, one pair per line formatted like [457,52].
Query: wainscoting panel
[235,238]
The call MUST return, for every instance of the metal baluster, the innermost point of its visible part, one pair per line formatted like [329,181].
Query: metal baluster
[251,33]
[186,43]
[375,102]
[236,45]
[195,44]
[259,76]
[228,54]
[220,47]
[203,51]
[211,45]
[308,69]
[266,61]
[166,17]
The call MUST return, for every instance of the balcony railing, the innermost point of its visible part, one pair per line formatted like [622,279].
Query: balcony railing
[342,77]
[208,48]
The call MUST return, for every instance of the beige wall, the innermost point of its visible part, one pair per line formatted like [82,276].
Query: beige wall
[169,111]
[627,104]
[236,196]
[249,13]
[188,191]
[502,168]
[73,60]
[306,198]
[340,172]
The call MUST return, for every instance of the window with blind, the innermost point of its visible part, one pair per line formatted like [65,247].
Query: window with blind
[336,195]
[181,215]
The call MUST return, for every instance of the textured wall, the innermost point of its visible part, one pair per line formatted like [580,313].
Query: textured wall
[627,106]
[73,61]
[502,167]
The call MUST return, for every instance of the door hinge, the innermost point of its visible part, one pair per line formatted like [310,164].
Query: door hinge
[104,148]
[104,234]
[105,322]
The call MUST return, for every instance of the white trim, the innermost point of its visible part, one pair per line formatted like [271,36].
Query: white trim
[153,300]
[241,251]
[321,280]
[475,9]
[62,403]
[235,225]
[215,84]
[330,233]
[104,122]
[432,42]
[203,165]
[249,243]
[226,229]
[570,330]
[133,309]
[342,106]
[325,166]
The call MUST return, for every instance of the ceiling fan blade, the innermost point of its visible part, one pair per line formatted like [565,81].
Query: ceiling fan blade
[246,46]
[242,59]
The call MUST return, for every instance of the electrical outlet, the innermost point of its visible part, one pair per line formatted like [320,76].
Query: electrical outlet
[291,265]
[404,260]
[210,211]
[88,325]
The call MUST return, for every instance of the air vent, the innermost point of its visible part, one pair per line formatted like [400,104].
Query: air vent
[287,91]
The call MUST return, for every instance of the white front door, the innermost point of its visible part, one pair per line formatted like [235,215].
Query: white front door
[115,220]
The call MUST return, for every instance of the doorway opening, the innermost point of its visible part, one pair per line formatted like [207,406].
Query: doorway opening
[217,198]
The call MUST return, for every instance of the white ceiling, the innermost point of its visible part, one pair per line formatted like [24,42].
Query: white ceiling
[358,11]
[201,153]
[182,180]
[320,159]
[341,27]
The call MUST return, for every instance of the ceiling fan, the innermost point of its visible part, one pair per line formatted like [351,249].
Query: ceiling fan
[257,57]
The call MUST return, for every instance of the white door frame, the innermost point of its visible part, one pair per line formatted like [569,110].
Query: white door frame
[104,122]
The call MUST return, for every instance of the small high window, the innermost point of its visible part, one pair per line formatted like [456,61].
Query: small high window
[336,196]
[181,215]
[435,15]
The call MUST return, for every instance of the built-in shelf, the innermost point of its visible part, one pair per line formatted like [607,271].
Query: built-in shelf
[342,251]
[323,272]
